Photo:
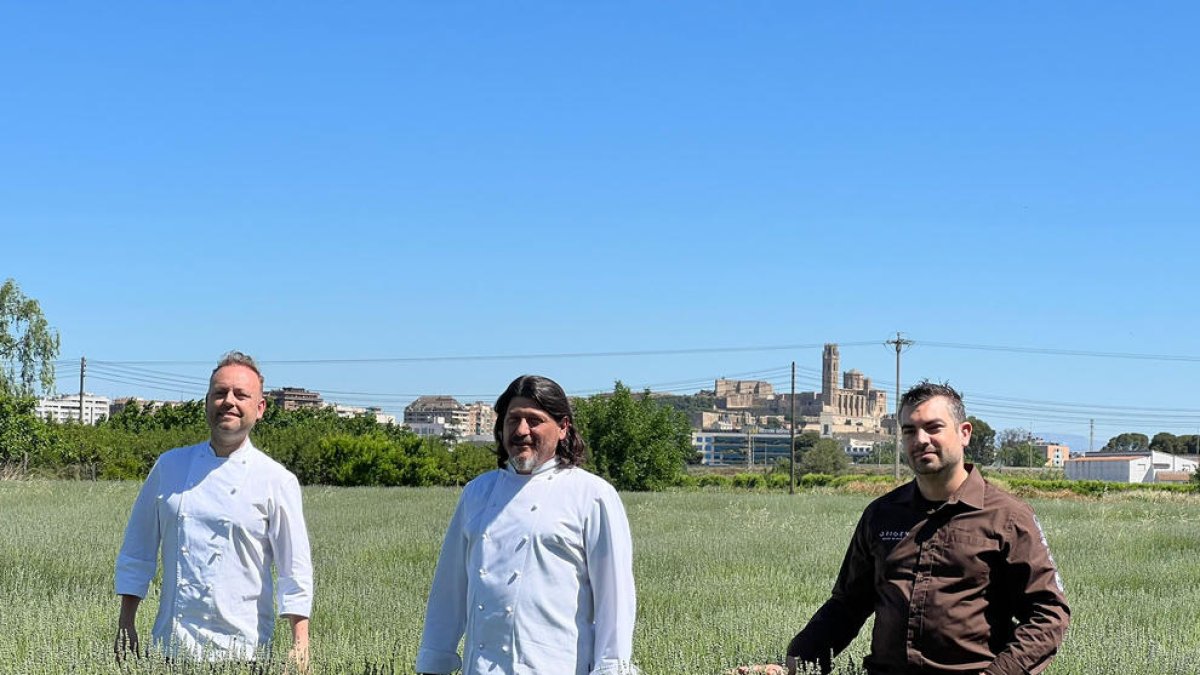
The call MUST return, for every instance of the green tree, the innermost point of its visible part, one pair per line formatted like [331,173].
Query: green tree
[982,448]
[825,456]
[1127,442]
[1167,442]
[24,438]
[635,443]
[28,345]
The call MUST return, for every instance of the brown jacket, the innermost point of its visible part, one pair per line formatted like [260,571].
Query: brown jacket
[965,587]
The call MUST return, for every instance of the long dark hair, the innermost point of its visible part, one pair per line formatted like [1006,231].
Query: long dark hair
[546,393]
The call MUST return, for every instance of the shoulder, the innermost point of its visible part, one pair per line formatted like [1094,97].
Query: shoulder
[481,483]
[995,498]
[269,468]
[902,495]
[587,482]
[178,456]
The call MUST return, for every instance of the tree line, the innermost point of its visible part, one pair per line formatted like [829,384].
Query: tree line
[636,443]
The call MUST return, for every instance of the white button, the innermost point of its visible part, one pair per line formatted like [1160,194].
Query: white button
[482,572]
[517,573]
[504,648]
[485,535]
[481,645]
[481,608]
[508,609]
[207,617]
[183,549]
[182,516]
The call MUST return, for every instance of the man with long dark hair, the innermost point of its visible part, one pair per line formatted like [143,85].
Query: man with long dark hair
[537,564]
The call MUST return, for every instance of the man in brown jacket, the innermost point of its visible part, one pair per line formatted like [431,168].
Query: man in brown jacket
[957,572]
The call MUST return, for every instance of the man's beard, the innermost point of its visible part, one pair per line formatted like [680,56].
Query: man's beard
[525,463]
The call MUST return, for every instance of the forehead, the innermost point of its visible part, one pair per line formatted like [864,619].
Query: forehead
[520,406]
[234,376]
[936,408]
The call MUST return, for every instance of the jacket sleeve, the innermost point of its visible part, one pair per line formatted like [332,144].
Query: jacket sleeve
[610,570]
[1041,610]
[446,608]
[288,536]
[837,622]
[138,558]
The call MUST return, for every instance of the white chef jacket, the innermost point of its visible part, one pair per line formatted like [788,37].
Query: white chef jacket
[220,522]
[537,570]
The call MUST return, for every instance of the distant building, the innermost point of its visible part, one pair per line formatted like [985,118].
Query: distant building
[759,447]
[436,416]
[1130,467]
[294,398]
[355,411]
[1054,453]
[481,419]
[65,408]
[847,404]
[150,405]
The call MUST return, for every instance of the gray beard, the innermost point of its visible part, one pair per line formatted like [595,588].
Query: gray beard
[524,464]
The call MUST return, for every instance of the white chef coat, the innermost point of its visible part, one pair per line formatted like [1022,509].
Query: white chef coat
[537,570]
[220,522]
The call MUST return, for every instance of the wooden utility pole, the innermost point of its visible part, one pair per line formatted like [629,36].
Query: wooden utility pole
[792,485]
[899,343]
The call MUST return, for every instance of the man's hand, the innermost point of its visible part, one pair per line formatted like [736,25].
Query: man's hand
[298,657]
[127,636]
[127,642]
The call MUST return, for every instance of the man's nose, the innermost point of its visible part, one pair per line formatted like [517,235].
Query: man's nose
[522,428]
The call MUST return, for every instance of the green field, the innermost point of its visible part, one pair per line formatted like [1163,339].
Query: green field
[723,577]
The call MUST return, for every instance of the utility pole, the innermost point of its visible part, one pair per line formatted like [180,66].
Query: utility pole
[82,370]
[792,485]
[1091,435]
[899,343]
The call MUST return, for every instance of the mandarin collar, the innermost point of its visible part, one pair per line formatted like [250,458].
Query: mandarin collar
[241,450]
[544,467]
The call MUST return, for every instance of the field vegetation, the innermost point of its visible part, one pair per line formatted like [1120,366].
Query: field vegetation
[724,577]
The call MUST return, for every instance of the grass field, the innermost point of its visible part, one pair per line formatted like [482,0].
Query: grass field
[723,577]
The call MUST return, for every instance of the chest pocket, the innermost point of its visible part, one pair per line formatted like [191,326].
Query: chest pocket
[969,556]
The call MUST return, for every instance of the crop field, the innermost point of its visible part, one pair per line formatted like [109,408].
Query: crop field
[724,578]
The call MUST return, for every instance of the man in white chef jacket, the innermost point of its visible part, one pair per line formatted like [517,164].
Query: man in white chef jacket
[221,512]
[537,565]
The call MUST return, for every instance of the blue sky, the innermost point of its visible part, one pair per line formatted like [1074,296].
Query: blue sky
[375,180]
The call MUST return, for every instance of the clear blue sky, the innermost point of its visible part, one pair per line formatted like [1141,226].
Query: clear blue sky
[372,180]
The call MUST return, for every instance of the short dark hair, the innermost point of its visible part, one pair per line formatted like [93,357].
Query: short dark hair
[925,390]
[546,393]
[236,358]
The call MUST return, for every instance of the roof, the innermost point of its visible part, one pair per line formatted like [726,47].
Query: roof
[1111,458]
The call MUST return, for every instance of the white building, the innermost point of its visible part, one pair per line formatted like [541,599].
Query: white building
[372,411]
[1141,467]
[65,408]
[427,412]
